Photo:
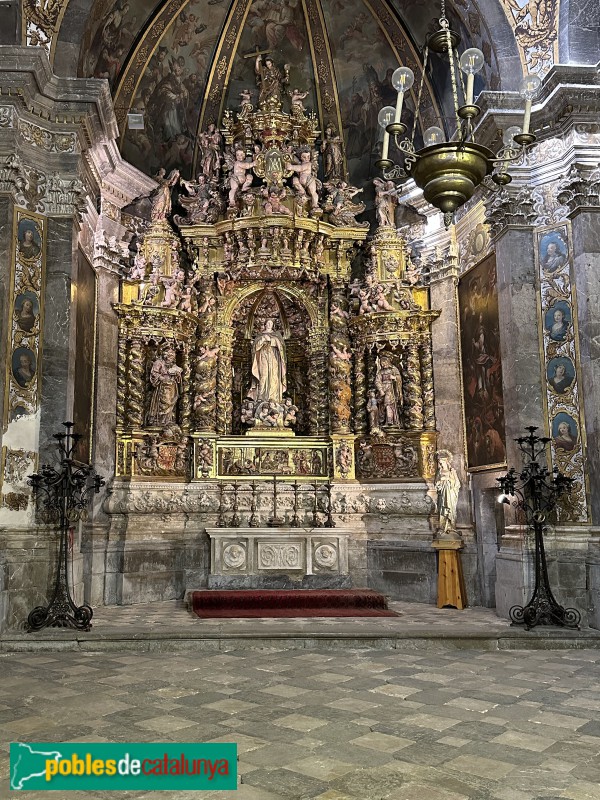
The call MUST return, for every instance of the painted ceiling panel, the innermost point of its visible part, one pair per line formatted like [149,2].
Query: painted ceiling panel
[169,88]
[182,62]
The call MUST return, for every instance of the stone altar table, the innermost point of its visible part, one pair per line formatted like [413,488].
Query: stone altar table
[242,558]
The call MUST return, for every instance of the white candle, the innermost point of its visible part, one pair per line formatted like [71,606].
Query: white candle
[527,118]
[399,103]
[386,145]
[470,82]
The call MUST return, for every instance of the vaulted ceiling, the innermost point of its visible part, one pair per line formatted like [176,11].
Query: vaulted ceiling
[183,62]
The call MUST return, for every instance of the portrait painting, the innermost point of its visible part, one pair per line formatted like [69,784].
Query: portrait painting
[553,251]
[27,311]
[29,239]
[565,432]
[481,366]
[23,366]
[557,320]
[560,373]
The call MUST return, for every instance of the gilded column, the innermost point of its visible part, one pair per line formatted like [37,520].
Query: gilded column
[186,388]
[122,362]
[318,405]
[340,362]
[426,358]
[360,390]
[412,387]
[224,378]
[135,384]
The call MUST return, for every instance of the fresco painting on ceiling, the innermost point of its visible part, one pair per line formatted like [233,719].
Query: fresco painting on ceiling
[364,63]
[535,27]
[109,37]
[171,89]
[421,17]
[279,27]
[481,366]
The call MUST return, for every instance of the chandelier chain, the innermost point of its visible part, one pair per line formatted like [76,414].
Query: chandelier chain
[421,84]
[453,77]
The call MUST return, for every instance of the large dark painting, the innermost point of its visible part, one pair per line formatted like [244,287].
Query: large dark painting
[482,366]
[85,331]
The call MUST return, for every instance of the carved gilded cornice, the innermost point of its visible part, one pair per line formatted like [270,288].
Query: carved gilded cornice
[149,323]
[390,326]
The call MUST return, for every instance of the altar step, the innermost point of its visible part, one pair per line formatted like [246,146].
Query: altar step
[290,603]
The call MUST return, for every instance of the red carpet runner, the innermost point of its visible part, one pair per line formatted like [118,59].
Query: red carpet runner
[215,603]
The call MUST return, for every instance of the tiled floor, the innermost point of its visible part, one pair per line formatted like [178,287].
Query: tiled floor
[353,724]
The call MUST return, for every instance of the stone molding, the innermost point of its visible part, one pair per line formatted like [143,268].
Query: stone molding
[509,207]
[580,189]
[348,501]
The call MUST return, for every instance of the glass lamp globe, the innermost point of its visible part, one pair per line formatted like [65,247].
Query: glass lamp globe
[471,61]
[433,135]
[403,79]
[509,134]
[530,86]
[385,116]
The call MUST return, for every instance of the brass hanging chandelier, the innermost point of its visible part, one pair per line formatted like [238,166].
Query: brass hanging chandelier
[449,170]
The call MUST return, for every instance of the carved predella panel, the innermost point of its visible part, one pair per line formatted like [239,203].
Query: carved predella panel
[559,342]
[280,556]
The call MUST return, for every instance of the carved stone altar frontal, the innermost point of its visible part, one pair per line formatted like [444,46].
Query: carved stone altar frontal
[296,552]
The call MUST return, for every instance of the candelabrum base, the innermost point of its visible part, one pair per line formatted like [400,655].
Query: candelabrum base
[60,615]
[545,613]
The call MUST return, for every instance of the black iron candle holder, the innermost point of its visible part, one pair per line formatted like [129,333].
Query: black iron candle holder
[537,492]
[62,494]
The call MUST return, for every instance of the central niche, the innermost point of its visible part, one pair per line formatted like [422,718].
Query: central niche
[287,317]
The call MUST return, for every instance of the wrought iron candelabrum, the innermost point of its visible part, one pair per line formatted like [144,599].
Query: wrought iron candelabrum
[537,492]
[62,494]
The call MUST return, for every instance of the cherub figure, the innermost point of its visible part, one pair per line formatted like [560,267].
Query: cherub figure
[380,300]
[342,355]
[185,302]
[297,101]
[305,179]
[206,353]
[290,412]
[240,177]
[138,270]
[172,292]
[247,414]
[272,204]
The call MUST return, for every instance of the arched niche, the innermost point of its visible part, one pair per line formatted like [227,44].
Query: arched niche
[293,320]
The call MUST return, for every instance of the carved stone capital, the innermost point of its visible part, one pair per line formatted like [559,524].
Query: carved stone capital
[580,188]
[509,207]
[31,188]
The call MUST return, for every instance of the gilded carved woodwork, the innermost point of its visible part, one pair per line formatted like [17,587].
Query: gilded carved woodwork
[245,350]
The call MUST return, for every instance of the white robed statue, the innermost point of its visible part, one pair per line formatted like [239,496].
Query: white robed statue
[268,365]
[447,485]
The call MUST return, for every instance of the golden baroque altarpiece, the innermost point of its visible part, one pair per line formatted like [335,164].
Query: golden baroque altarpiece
[261,332]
